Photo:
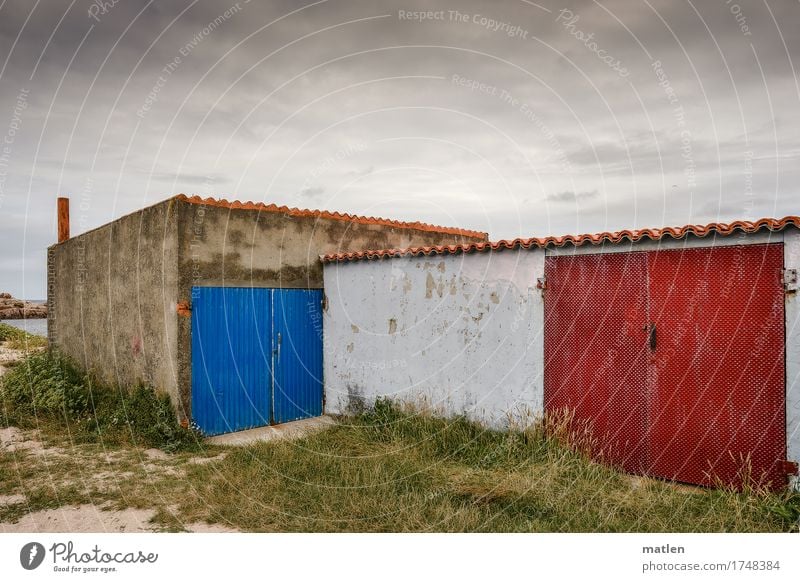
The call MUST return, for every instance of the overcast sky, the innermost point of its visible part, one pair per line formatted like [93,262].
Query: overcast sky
[514,117]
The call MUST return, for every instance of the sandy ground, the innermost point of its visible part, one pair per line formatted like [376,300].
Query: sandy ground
[9,356]
[94,519]
[87,518]
[82,519]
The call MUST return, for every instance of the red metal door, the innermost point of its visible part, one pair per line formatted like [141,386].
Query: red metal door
[674,358]
[717,366]
[595,356]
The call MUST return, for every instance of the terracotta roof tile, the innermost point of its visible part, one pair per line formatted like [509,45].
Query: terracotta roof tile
[771,224]
[325,214]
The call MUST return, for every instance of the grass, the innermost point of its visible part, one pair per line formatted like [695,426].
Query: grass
[387,469]
[19,339]
[395,471]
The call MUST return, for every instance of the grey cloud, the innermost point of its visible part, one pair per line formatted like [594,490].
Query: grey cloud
[383,128]
[314,192]
[569,196]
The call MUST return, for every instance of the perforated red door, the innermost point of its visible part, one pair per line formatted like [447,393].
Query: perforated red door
[718,366]
[594,355]
[674,358]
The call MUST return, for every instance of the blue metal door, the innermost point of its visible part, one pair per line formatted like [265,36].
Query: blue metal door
[256,357]
[231,358]
[297,387]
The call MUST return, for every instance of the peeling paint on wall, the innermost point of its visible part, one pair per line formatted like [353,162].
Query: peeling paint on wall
[461,358]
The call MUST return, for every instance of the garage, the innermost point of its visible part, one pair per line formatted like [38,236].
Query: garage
[672,352]
[213,302]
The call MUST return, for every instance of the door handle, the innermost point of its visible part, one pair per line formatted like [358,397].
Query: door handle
[278,350]
[653,337]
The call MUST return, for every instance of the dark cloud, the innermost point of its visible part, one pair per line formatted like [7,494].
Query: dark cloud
[504,119]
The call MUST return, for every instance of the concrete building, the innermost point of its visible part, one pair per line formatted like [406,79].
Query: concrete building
[121,296]
[679,347]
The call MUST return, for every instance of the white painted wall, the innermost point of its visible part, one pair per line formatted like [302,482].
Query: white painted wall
[791,260]
[459,333]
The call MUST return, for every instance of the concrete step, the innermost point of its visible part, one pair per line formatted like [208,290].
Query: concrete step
[288,431]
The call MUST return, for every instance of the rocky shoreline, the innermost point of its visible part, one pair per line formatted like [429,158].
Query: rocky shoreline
[11,308]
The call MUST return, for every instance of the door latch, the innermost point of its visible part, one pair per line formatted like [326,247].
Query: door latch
[651,327]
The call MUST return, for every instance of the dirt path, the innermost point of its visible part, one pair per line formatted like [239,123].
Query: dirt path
[89,518]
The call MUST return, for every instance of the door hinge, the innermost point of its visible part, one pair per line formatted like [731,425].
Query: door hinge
[789,280]
[324,302]
[788,467]
[541,283]
[184,308]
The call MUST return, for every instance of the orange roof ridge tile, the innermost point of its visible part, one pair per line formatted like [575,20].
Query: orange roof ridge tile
[325,214]
[633,236]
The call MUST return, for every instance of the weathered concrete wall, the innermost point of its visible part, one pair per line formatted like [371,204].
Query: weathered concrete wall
[791,260]
[220,246]
[112,296]
[461,334]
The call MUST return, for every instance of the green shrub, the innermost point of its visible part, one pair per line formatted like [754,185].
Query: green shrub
[9,332]
[45,383]
[48,385]
[19,339]
[151,418]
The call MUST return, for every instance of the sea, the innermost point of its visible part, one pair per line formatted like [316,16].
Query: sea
[34,326]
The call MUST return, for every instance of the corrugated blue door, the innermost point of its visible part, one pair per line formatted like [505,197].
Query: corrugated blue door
[297,389]
[231,358]
[239,336]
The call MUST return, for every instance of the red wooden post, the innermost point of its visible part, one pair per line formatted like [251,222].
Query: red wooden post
[63,219]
